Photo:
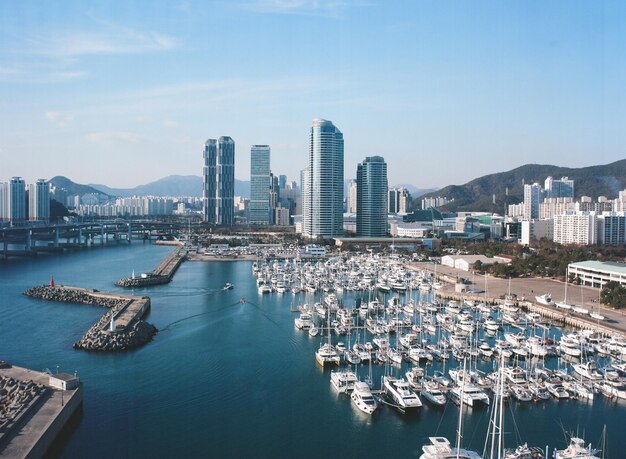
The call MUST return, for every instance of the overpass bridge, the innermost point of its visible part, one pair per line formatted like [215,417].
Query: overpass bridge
[34,239]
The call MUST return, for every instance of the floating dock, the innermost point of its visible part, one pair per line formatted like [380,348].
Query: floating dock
[161,275]
[46,409]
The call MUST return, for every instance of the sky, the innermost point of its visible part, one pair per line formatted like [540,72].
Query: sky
[124,93]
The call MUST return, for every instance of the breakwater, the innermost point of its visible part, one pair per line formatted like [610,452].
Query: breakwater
[16,397]
[119,329]
[161,275]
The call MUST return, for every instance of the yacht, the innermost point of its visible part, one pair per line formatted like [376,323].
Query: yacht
[576,450]
[343,381]
[588,370]
[515,375]
[304,321]
[524,452]
[440,448]
[545,299]
[470,394]
[228,286]
[400,394]
[327,355]
[521,393]
[363,399]
[431,392]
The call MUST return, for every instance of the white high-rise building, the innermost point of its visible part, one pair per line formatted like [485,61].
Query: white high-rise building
[576,228]
[352,197]
[260,184]
[612,228]
[563,188]
[39,201]
[398,201]
[13,200]
[532,198]
[323,182]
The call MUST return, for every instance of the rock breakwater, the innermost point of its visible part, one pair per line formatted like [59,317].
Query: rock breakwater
[107,334]
[15,397]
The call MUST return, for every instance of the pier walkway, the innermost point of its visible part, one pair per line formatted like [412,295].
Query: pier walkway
[161,275]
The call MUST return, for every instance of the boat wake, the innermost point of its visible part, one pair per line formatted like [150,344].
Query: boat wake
[176,322]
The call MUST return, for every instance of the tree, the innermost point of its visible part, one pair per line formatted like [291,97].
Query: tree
[613,294]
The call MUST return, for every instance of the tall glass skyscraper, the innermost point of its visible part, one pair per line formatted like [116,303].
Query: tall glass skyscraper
[260,177]
[218,193]
[371,197]
[209,182]
[39,201]
[225,168]
[322,201]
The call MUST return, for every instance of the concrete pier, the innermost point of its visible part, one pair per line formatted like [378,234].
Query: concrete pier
[34,430]
[161,275]
[120,328]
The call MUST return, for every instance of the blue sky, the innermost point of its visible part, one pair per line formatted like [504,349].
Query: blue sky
[123,93]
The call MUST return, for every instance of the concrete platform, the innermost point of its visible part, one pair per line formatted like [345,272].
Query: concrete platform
[40,425]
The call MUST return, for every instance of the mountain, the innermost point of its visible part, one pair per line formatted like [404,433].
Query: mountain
[74,188]
[173,185]
[605,180]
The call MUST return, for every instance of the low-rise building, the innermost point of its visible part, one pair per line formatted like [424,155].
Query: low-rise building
[597,273]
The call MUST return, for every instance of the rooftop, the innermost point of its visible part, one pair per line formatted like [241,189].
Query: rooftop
[607,266]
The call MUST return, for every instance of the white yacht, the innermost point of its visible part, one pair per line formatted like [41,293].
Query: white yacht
[363,399]
[327,355]
[304,321]
[577,450]
[431,392]
[588,370]
[470,394]
[400,394]
[545,299]
[343,381]
[440,448]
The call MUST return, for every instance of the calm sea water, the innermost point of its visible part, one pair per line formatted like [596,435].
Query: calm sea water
[229,379]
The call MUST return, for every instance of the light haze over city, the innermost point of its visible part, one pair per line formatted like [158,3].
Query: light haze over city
[126,93]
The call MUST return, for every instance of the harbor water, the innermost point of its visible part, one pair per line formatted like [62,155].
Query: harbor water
[229,376]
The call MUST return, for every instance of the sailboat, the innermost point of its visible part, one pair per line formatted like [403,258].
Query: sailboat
[563,304]
[440,447]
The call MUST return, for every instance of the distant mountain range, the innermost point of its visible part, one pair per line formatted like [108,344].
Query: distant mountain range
[173,185]
[606,180]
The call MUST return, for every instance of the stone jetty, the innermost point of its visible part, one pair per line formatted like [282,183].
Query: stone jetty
[161,275]
[119,329]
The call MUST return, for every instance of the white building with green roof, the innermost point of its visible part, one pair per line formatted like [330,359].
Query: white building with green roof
[598,273]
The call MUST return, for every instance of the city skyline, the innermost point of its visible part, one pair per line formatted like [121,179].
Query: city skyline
[463,90]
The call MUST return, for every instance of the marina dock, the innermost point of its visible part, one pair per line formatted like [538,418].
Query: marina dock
[120,328]
[45,410]
[161,275]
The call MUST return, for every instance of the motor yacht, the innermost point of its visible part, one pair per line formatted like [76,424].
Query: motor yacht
[363,399]
[431,392]
[440,448]
[577,450]
[343,381]
[400,394]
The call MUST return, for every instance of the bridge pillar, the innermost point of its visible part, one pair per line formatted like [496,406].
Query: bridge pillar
[56,237]
[102,233]
[130,232]
[29,240]
[80,235]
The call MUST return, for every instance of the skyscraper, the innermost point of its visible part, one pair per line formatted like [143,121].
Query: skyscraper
[16,209]
[532,198]
[209,182]
[225,168]
[352,192]
[323,182]
[218,192]
[398,200]
[372,187]
[260,185]
[39,201]
[563,188]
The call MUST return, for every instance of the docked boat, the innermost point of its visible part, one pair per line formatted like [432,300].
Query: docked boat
[327,355]
[304,321]
[545,299]
[363,399]
[431,393]
[400,394]
[469,394]
[440,448]
[343,381]
[524,452]
[577,450]
[588,370]
[521,394]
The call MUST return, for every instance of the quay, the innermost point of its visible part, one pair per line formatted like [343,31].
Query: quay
[119,329]
[525,289]
[45,404]
[161,275]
